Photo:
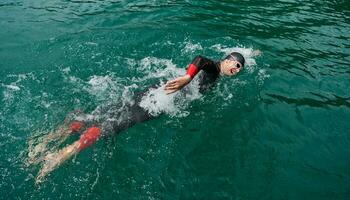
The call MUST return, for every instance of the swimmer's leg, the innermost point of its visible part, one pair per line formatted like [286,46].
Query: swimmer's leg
[55,159]
[39,146]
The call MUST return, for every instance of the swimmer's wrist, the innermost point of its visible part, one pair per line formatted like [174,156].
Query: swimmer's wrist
[188,77]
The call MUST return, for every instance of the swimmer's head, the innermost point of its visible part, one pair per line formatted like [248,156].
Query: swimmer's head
[232,64]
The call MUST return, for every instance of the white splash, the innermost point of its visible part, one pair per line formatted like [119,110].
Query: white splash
[156,101]
[99,83]
[157,67]
[104,87]
[12,87]
[66,70]
[262,76]
[191,48]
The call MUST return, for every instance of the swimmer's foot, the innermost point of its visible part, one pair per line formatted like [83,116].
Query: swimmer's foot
[39,146]
[54,160]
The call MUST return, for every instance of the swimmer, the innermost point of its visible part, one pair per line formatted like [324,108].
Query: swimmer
[92,129]
[231,65]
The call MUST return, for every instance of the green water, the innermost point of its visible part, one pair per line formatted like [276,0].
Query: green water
[279,130]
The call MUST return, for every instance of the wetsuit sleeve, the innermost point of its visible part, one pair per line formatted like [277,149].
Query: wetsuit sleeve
[199,63]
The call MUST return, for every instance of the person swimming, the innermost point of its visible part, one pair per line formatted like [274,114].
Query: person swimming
[93,129]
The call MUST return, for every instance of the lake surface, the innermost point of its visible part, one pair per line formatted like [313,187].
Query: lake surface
[278,130]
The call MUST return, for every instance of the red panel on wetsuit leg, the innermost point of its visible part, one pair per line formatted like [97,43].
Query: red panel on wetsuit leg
[76,126]
[89,137]
[192,70]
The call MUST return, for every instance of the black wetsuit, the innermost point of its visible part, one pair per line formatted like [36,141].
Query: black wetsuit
[210,72]
[119,118]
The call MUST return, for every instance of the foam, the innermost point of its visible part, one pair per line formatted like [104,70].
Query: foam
[156,101]
[158,67]
[191,48]
[262,76]
[12,87]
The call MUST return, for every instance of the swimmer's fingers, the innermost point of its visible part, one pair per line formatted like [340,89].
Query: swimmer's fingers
[183,80]
[172,89]
[176,84]
[172,86]
[168,86]
[171,83]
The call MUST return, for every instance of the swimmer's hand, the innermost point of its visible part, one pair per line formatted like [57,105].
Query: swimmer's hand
[176,84]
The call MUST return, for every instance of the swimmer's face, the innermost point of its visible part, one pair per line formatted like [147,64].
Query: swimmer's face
[230,67]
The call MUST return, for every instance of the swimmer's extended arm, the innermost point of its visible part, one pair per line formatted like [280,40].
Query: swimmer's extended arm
[178,83]
[198,63]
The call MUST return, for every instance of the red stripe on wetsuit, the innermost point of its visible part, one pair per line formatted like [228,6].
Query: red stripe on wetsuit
[192,70]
